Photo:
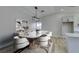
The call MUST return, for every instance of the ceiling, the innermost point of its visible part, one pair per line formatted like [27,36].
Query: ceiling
[49,10]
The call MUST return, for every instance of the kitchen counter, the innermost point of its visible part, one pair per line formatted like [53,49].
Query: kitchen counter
[72,42]
[72,34]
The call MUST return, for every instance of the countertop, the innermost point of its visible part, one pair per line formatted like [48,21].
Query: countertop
[72,34]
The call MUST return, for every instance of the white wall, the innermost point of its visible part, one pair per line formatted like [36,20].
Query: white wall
[8,15]
[53,22]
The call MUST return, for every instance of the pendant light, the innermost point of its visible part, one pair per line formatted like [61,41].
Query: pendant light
[36,20]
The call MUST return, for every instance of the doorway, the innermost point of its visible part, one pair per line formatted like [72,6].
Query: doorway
[67,27]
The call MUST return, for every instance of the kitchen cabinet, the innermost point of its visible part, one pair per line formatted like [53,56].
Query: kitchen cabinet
[72,42]
[67,19]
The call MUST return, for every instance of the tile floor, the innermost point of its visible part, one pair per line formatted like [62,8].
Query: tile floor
[59,46]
